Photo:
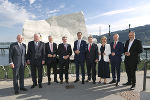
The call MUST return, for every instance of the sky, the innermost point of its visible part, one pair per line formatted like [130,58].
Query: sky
[99,14]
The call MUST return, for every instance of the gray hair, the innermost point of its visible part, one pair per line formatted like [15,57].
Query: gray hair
[37,34]
[116,34]
[64,37]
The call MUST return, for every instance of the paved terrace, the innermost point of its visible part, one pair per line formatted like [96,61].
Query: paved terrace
[88,91]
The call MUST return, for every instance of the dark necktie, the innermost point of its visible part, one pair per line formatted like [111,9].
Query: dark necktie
[90,47]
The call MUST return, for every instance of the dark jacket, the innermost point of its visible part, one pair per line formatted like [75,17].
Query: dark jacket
[135,51]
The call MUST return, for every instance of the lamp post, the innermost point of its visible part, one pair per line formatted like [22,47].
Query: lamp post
[129,28]
[109,34]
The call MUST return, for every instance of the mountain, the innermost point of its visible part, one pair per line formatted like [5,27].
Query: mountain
[142,33]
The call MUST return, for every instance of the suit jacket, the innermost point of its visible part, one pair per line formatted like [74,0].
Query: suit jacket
[93,54]
[81,55]
[135,51]
[48,51]
[119,50]
[63,52]
[32,55]
[17,56]
[107,52]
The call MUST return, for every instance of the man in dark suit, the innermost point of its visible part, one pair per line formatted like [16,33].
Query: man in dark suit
[36,59]
[91,59]
[64,52]
[51,53]
[79,50]
[17,60]
[133,48]
[117,49]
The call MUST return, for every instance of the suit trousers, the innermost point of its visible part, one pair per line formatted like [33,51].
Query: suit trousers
[91,66]
[64,67]
[54,66]
[36,67]
[79,63]
[18,73]
[131,72]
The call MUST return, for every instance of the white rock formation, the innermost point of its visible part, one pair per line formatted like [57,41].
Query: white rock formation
[56,26]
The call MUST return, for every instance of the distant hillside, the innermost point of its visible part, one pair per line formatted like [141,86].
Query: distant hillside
[142,33]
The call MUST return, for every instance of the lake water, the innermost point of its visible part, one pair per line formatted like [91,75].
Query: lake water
[4,59]
[4,56]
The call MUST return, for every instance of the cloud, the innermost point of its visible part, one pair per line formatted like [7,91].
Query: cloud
[138,16]
[118,25]
[62,6]
[120,11]
[53,11]
[31,1]
[12,14]
[97,28]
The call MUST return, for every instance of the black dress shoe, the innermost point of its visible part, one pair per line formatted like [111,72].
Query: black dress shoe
[67,81]
[23,89]
[104,83]
[82,81]
[132,87]
[56,81]
[113,81]
[77,80]
[49,83]
[126,84]
[16,92]
[61,82]
[33,86]
[117,83]
[94,82]
[40,85]
[99,82]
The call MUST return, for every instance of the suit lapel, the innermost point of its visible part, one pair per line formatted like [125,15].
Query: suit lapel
[49,47]
[127,45]
[23,49]
[39,45]
[132,45]
[81,43]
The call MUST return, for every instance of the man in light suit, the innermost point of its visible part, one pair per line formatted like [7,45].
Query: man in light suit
[50,55]
[117,49]
[79,50]
[17,60]
[133,48]
[36,59]
[64,52]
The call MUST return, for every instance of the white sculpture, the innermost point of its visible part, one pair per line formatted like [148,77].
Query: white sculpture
[56,26]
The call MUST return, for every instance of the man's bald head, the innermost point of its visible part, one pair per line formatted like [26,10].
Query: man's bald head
[36,37]
[131,35]
[20,38]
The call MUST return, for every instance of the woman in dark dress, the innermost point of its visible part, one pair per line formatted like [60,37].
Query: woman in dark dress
[103,64]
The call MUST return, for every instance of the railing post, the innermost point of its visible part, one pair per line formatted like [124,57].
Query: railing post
[144,80]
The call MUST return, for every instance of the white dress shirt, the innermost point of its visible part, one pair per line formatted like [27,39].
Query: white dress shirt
[78,44]
[130,44]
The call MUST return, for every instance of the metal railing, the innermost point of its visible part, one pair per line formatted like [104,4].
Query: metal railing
[145,75]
